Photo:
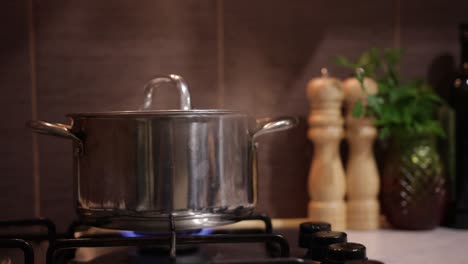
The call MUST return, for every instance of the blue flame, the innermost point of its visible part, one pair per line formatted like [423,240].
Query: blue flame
[203,232]
[130,234]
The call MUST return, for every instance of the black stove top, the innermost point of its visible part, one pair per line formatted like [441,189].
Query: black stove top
[219,246]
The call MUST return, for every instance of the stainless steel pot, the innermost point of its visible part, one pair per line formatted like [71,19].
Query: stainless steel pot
[139,170]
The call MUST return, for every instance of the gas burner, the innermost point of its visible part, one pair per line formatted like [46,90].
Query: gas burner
[171,241]
[183,246]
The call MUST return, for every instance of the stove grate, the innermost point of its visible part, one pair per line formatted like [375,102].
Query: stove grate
[60,245]
[24,246]
[63,244]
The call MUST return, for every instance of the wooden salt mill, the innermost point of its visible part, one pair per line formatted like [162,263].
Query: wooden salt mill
[326,178]
[362,178]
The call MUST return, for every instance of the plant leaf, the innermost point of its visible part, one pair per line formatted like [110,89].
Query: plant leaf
[400,107]
[340,60]
[384,133]
[358,109]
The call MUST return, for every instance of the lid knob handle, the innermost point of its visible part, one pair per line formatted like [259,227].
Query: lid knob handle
[181,85]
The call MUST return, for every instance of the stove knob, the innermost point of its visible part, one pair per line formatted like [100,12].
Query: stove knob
[343,252]
[308,228]
[318,244]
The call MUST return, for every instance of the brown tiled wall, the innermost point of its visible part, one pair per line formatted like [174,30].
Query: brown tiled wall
[255,56]
[16,180]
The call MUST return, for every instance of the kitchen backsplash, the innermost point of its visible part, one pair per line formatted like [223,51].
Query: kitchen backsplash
[58,57]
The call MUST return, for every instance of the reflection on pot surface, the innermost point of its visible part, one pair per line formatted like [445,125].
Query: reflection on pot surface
[136,169]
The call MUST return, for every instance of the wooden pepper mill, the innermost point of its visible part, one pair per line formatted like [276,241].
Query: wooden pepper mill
[362,178]
[326,178]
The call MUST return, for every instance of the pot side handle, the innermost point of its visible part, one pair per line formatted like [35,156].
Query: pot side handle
[52,129]
[266,126]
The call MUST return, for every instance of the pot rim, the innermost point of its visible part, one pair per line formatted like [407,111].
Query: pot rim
[158,113]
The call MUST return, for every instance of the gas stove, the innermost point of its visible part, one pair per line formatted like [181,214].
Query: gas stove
[84,244]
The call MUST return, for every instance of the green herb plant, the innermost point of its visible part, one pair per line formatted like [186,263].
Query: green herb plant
[401,108]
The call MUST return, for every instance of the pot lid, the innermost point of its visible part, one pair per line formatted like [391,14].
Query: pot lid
[158,113]
[145,109]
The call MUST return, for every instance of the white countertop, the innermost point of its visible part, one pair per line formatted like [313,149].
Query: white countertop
[442,245]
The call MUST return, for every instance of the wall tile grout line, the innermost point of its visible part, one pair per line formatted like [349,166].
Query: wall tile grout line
[220,52]
[34,114]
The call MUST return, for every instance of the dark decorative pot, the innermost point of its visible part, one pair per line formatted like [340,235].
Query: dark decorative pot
[414,186]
